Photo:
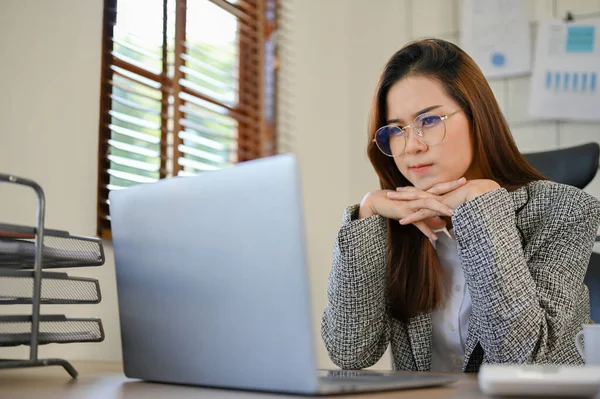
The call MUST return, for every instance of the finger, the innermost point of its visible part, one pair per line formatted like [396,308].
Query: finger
[433,204]
[405,188]
[446,187]
[426,230]
[408,195]
[418,216]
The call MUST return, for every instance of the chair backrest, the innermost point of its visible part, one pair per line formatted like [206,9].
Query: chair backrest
[592,280]
[576,166]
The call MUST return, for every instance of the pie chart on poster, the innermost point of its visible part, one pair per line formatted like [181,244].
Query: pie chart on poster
[498,60]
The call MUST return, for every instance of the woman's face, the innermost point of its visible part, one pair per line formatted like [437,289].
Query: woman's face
[421,164]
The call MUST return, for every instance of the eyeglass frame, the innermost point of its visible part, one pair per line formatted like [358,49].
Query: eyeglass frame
[442,118]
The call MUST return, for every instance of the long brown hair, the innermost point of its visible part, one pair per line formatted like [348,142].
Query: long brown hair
[414,279]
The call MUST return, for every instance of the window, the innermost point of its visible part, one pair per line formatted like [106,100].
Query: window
[187,87]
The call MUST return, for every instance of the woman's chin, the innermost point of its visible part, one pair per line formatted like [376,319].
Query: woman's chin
[426,183]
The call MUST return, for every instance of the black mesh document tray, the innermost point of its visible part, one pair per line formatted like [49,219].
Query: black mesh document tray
[16,330]
[16,287]
[60,249]
[25,253]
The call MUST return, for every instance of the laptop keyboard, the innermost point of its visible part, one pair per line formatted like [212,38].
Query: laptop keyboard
[354,374]
[339,381]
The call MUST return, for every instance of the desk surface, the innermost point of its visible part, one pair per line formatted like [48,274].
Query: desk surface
[106,380]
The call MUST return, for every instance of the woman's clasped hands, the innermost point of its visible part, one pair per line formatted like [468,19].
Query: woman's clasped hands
[424,208]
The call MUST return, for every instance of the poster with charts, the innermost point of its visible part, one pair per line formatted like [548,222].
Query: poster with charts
[496,34]
[566,71]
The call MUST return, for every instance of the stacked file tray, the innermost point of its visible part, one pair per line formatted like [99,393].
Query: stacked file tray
[28,257]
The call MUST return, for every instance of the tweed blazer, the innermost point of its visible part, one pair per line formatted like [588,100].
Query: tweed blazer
[524,254]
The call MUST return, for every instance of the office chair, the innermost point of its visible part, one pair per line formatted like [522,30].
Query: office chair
[592,280]
[576,166]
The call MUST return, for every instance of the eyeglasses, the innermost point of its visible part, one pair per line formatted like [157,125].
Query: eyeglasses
[430,129]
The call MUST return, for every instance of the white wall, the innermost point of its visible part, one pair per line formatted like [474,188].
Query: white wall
[336,49]
[49,105]
[317,74]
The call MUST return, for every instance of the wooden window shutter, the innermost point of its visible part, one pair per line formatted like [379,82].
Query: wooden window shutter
[188,87]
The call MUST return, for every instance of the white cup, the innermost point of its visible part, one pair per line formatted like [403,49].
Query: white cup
[591,352]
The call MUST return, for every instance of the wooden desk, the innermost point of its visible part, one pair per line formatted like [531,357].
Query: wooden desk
[105,380]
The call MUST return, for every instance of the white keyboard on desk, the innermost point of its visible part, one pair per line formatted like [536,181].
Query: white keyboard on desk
[539,380]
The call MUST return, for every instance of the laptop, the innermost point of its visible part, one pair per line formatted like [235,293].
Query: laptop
[213,285]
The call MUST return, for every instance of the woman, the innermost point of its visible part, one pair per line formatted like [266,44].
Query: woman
[466,255]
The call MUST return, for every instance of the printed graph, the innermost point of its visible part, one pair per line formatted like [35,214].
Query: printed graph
[576,82]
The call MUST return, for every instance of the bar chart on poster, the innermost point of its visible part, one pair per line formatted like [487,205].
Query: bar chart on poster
[574,82]
[566,70]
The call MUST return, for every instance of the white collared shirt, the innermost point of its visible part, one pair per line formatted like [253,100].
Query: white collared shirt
[450,323]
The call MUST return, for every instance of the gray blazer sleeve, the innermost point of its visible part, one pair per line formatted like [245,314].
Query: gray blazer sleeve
[355,325]
[524,298]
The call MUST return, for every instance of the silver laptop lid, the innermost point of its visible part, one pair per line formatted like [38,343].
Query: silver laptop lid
[212,279]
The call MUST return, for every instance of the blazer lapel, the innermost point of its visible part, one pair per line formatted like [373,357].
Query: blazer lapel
[520,198]
[419,333]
